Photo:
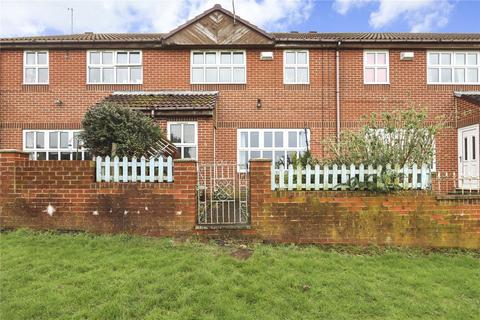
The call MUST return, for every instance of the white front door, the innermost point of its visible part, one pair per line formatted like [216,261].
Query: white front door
[468,156]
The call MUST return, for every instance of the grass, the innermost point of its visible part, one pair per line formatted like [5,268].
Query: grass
[83,276]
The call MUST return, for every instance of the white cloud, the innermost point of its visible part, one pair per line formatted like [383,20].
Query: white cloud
[35,17]
[420,15]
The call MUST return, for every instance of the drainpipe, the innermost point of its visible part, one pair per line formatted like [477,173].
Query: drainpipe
[337,89]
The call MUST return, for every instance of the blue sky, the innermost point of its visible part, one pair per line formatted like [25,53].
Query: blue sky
[40,17]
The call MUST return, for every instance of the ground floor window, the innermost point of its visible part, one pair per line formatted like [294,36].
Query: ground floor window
[276,144]
[184,136]
[54,145]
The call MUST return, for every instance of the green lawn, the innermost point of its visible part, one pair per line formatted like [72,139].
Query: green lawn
[83,276]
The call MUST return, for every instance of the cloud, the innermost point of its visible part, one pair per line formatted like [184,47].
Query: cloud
[36,17]
[420,15]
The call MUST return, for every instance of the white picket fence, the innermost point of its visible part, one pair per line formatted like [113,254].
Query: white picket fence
[134,170]
[338,177]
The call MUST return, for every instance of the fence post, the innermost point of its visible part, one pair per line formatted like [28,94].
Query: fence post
[160,169]
[99,168]
[115,169]
[317,177]
[134,169]
[169,169]
[151,169]
[281,177]
[290,177]
[414,176]
[107,169]
[308,172]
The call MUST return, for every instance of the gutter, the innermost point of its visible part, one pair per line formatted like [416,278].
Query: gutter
[337,89]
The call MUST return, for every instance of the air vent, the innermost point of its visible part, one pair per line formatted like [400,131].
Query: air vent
[406,55]
[266,55]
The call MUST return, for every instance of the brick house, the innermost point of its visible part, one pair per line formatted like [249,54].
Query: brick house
[223,89]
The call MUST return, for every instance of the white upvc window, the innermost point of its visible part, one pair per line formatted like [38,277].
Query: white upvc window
[376,67]
[35,67]
[220,67]
[296,68]
[54,145]
[114,67]
[184,136]
[453,67]
[276,144]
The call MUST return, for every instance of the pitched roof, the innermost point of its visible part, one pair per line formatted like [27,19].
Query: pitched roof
[88,37]
[471,96]
[376,36]
[165,102]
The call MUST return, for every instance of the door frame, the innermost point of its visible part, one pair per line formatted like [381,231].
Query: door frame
[460,150]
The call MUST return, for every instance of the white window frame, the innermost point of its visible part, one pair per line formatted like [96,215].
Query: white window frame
[36,66]
[70,149]
[114,65]
[296,66]
[181,145]
[261,148]
[452,66]
[217,65]
[376,66]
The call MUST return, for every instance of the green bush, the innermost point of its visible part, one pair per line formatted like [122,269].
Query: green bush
[111,130]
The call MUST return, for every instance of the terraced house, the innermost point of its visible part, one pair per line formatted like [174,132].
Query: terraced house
[223,89]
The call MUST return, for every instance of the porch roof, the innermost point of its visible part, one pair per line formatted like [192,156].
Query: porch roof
[167,103]
[471,96]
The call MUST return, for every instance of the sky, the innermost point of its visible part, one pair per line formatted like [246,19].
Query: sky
[47,17]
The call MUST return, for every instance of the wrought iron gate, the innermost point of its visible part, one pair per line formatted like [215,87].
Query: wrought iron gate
[222,194]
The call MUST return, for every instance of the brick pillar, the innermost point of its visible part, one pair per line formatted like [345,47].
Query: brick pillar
[260,188]
[8,162]
[185,184]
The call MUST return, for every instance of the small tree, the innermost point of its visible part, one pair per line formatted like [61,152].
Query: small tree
[111,130]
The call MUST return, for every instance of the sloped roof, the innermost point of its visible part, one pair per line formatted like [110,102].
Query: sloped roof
[471,96]
[376,36]
[88,37]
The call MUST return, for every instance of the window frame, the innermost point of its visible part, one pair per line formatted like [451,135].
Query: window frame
[47,149]
[376,66]
[218,65]
[114,65]
[261,148]
[452,66]
[182,145]
[36,66]
[296,66]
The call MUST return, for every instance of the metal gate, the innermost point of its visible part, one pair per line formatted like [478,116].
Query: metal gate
[222,194]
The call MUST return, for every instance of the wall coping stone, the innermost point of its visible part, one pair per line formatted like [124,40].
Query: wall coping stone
[13,151]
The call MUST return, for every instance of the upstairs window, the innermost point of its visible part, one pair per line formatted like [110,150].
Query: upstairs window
[114,67]
[54,145]
[218,67]
[35,67]
[453,67]
[376,67]
[296,67]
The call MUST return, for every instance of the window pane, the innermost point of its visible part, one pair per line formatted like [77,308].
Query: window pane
[460,75]
[254,139]
[175,133]
[290,57]
[302,139]
[134,57]
[122,75]
[460,59]
[108,75]
[370,58]
[238,58]
[446,75]
[433,75]
[42,58]
[255,154]
[65,155]
[292,139]
[30,58]
[107,58]
[289,75]
[243,159]
[197,75]
[122,58]
[381,58]
[94,75]
[210,58]
[279,139]
[267,139]
[198,58]
[434,58]
[225,75]
[446,58]
[243,139]
[94,57]
[41,156]
[472,59]
[76,138]
[472,75]
[188,133]
[189,152]
[369,75]
[279,156]
[382,75]
[267,154]
[64,140]
[239,75]
[42,75]
[53,140]
[29,140]
[30,75]
[302,75]
[136,75]
[225,58]
[301,58]
[40,140]
[53,156]
[211,75]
